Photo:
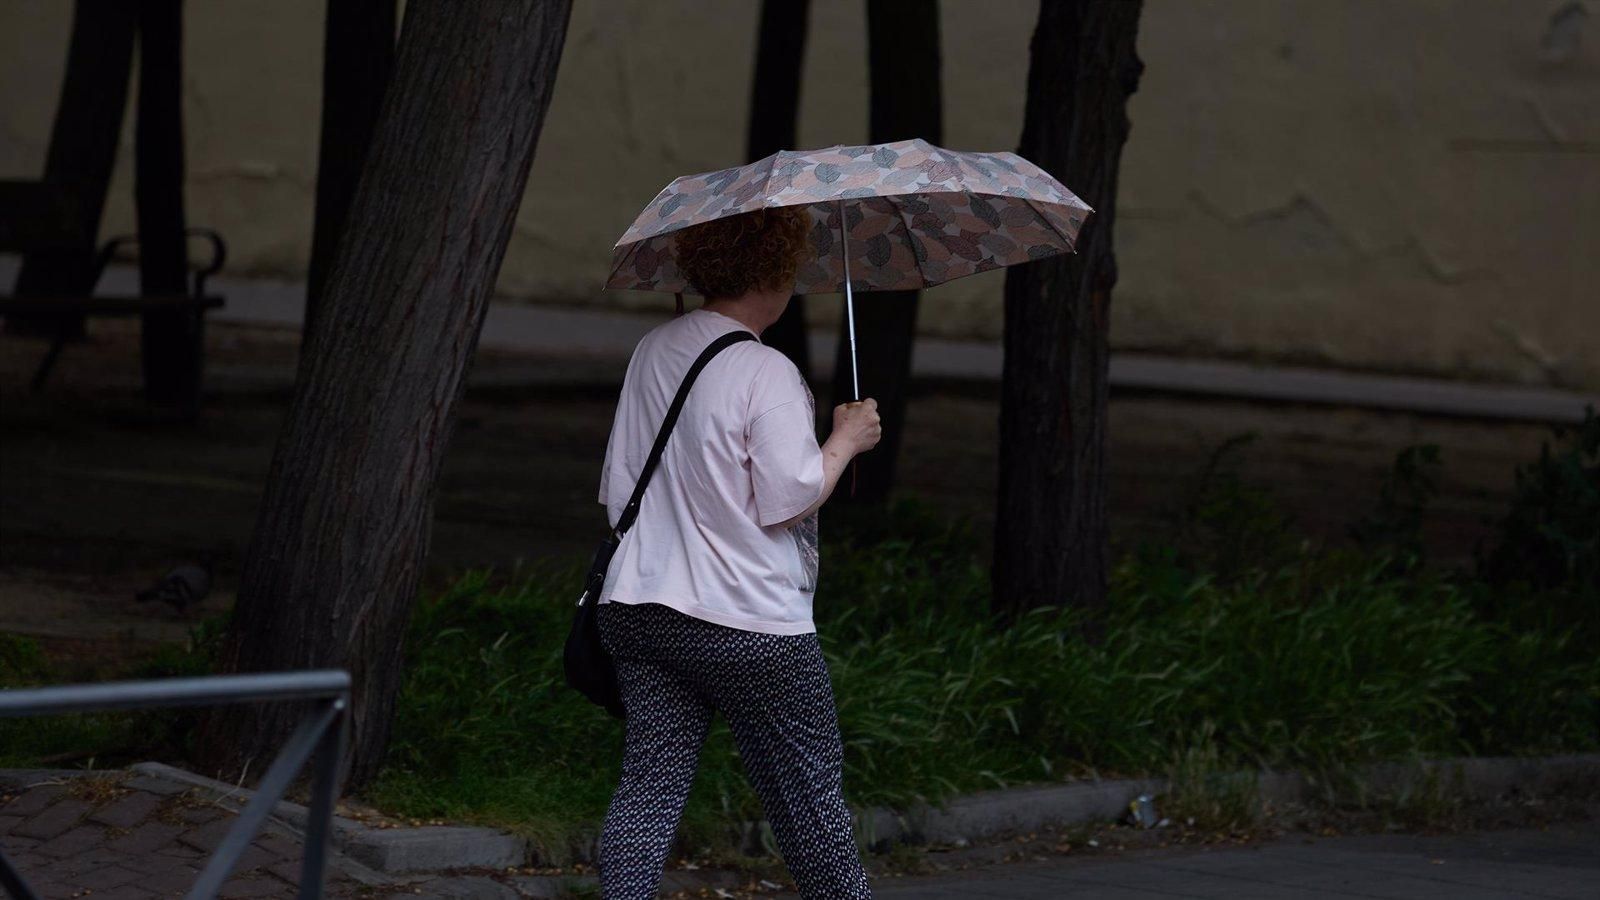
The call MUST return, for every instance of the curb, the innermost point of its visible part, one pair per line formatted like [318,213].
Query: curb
[392,851]
[964,820]
[972,817]
[1488,777]
[992,813]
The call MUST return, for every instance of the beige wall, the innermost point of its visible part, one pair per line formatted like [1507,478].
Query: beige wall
[1397,185]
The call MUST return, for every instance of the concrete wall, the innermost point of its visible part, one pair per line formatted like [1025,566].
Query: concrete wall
[1409,187]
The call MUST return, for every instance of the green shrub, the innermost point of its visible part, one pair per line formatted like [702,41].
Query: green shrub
[1225,525]
[22,663]
[1395,524]
[1549,541]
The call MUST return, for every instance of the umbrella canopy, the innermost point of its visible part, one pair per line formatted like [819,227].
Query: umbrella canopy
[914,215]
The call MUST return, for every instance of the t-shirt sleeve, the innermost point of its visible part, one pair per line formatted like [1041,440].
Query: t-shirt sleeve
[785,459]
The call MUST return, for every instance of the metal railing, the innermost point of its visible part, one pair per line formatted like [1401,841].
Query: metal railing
[320,734]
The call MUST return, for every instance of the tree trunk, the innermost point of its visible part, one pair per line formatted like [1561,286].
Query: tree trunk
[357,61]
[1051,536]
[332,569]
[170,341]
[903,59]
[83,150]
[774,109]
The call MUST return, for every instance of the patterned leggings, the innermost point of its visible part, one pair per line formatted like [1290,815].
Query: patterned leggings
[773,690]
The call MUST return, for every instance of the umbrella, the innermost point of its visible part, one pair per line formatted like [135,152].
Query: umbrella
[884,217]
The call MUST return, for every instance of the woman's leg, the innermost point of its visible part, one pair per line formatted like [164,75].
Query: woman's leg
[787,730]
[665,727]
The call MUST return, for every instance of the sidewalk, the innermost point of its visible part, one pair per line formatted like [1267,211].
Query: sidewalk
[603,333]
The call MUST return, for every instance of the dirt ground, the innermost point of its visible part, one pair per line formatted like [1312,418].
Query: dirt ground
[98,496]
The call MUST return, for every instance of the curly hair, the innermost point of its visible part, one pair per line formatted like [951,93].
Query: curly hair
[758,250]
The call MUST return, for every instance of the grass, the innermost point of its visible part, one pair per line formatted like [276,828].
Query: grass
[96,740]
[51,740]
[1202,790]
[1327,660]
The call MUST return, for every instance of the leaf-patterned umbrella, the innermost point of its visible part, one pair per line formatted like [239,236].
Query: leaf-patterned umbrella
[885,217]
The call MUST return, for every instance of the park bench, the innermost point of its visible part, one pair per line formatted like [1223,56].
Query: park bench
[64,313]
[53,221]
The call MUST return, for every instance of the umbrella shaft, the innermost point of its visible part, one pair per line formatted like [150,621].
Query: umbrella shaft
[849,307]
[850,316]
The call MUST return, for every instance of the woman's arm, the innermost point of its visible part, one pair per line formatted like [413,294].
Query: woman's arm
[856,429]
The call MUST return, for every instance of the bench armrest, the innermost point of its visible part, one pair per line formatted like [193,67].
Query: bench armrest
[219,255]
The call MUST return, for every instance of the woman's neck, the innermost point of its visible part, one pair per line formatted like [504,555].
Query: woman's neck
[754,310]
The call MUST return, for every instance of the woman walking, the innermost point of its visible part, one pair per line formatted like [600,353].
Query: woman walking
[707,606]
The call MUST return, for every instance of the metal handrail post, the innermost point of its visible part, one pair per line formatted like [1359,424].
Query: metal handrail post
[11,880]
[321,734]
[301,744]
[324,792]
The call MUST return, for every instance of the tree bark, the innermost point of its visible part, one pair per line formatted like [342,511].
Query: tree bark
[1051,536]
[83,150]
[357,62]
[774,111]
[332,570]
[905,102]
[170,341]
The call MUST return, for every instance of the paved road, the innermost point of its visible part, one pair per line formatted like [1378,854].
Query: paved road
[1561,862]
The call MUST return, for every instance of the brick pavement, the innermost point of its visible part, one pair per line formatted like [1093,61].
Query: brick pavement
[121,837]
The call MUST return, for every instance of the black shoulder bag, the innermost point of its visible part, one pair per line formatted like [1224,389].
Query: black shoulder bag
[589,667]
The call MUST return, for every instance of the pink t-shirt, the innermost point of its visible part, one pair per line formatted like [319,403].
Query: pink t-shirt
[743,459]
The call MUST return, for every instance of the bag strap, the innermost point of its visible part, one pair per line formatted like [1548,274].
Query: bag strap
[631,511]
